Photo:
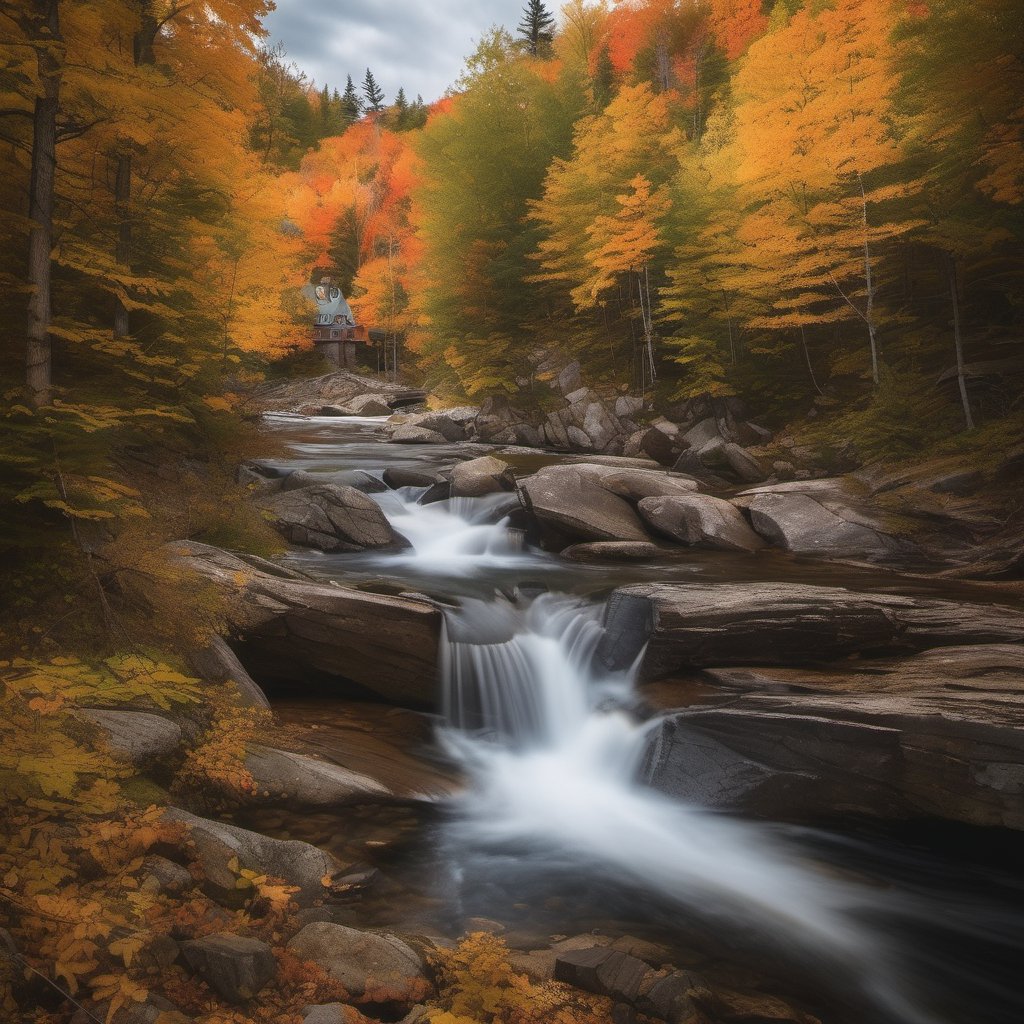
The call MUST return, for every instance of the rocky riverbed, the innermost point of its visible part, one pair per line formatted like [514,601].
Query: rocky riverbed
[799,658]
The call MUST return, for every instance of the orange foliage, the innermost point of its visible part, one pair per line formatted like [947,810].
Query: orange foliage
[736,23]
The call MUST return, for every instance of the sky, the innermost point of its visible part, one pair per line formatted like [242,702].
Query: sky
[418,44]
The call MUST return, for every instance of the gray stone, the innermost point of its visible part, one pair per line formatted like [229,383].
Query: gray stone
[478,477]
[698,436]
[628,406]
[579,439]
[658,445]
[801,524]
[167,876]
[603,971]
[331,518]
[569,380]
[571,501]
[255,482]
[325,1013]
[299,780]
[667,996]
[744,465]
[399,476]
[700,520]
[377,968]
[408,434]
[600,426]
[235,967]
[360,479]
[135,736]
[696,625]
[215,844]
[441,491]
[637,484]
[217,663]
[369,405]
[292,625]
[334,410]
[300,478]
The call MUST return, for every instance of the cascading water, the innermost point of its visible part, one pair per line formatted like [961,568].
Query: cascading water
[553,752]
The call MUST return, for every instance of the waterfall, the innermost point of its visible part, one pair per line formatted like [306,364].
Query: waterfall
[553,754]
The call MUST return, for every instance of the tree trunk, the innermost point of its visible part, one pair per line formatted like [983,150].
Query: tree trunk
[807,358]
[123,249]
[50,63]
[958,342]
[869,314]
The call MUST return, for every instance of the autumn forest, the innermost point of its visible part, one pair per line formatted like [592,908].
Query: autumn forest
[800,221]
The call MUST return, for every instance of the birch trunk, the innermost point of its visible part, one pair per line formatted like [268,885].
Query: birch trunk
[958,342]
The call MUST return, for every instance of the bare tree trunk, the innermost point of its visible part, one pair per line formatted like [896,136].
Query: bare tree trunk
[50,63]
[807,358]
[648,324]
[123,249]
[958,342]
[869,313]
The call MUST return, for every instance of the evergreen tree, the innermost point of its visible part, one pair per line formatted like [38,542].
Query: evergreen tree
[401,110]
[604,78]
[536,26]
[372,93]
[351,104]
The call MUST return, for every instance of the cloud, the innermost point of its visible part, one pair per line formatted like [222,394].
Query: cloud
[419,45]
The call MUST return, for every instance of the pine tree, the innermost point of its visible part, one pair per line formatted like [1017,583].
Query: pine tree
[372,93]
[536,26]
[351,105]
[603,82]
[401,109]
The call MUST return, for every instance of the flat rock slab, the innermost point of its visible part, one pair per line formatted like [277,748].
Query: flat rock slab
[938,734]
[331,518]
[613,551]
[377,968]
[306,782]
[386,644]
[688,626]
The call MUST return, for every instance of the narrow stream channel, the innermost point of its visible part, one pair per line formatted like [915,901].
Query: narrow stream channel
[550,828]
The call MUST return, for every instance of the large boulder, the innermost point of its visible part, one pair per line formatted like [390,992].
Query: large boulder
[743,464]
[938,734]
[602,970]
[237,968]
[570,503]
[569,379]
[700,520]
[135,736]
[369,405]
[477,477]
[637,484]
[409,433]
[800,522]
[215,845]
[693,625]
[294,626]
[374,968]
[217,663]
[331,518]
[400,476]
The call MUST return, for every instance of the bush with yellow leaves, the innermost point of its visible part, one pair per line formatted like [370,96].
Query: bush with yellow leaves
[477,985]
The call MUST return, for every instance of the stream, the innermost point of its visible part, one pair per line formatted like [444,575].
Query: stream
[538,818]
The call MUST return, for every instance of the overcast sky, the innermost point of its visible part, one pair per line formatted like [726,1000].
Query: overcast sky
[418,44]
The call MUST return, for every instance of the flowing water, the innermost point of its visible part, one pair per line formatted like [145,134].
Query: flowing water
[552,749]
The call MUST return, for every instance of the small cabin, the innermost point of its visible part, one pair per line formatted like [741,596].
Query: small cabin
[335,332]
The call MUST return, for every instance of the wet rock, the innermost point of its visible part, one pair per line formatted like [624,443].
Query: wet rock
[331,518]
[135,736]
[292,625]
[235,967]
[369,405]
[700,520]
[667,996]
[689,626]
[700,434]
[441,491]
[406,433]
[451,424]
[603,971]
[217,663]
[360,480]
[743,464]
[300,478]
[334,410]
[659,446]
[398,476]
[378,968]
[214,844]
[938,734]
[613,551]
[255,482]
[478,477]
[801,524]
[306,782]
[572,503]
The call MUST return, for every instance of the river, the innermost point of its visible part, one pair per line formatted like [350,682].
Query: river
[539,819]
